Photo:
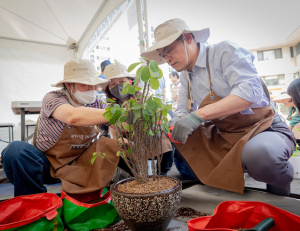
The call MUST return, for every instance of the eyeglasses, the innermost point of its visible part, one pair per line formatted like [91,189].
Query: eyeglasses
[167,51]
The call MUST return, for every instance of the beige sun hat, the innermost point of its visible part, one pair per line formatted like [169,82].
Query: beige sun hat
[167,32]
[114,71]
[280,98]
[80,71]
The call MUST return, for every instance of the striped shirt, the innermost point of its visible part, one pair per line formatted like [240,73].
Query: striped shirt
[49,128]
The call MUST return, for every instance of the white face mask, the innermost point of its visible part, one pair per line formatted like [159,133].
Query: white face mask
[85,97]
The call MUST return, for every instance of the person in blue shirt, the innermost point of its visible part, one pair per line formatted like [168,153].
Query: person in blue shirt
[225,123]
[103,65]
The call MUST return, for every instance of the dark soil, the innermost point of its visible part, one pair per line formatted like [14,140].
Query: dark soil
[94,201]
[151,186]
[121,226]
[189,213]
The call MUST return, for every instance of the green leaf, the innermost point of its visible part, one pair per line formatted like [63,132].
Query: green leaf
[153,66]
[137,114]
[118,153]
[165,112]
[129,150]
[148,112]
[146,116]
[137,80]
[112,121]
[158,101]
[168,106]
[113,110]
[126,127]
[132,66]
[145,75]
[151,133]
[151,104]
[160,73]
[110,100]
[136,107]
[131,90]
[103,155]
[165,128]
[139,72]
[154,83]
[119,123]
[95,153]
[138,88]
[145,58]
[154,74]
[93,159]
[124,104]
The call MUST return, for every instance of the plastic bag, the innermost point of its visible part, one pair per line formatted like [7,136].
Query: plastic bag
[77,214]
[32,212]
[232,215]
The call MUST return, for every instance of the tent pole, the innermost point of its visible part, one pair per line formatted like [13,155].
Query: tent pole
[140,25]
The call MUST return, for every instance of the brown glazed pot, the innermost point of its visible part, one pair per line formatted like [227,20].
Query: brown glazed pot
[146,212]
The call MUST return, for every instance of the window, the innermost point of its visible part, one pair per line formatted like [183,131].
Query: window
[292,51]
[274,80]
[152,28]
[98,68]
[297,49]
[108,48]
[97,47]
[92,58]
[269,54]
[98,58]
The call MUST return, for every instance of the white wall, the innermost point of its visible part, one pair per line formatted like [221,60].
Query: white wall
[275,66]
[26,72]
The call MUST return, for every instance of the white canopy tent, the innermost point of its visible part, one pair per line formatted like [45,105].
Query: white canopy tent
[37,37]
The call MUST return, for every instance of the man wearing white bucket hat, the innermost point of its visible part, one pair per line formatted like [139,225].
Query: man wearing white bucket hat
[224,117]
[64,139]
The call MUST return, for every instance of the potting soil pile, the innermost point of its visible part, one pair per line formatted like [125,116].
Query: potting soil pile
[178,222]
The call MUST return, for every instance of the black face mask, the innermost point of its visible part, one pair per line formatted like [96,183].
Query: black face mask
[117,92]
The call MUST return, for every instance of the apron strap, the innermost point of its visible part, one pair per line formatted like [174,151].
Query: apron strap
[209,77]
[265,90]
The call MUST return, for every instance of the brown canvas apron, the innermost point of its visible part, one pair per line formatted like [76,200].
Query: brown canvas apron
[213,151]
[70,160]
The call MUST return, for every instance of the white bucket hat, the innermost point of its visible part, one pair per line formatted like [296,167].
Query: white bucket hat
[280,98]
[80,71]
[167,32]
[115,71]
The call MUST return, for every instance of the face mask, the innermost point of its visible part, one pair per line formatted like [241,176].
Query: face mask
[117,92]
[85,97]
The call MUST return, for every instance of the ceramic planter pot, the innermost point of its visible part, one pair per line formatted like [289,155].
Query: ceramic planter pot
[150,211]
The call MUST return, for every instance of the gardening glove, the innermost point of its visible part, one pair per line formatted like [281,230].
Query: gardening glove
[185,126]
[171,122]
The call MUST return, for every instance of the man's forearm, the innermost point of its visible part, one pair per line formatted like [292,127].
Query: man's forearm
[229,105]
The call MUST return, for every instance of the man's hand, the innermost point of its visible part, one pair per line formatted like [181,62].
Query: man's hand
[171,122]
[185,126]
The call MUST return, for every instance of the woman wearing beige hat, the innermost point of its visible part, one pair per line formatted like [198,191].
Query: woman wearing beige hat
[65,139]
[117,75]
[224,116]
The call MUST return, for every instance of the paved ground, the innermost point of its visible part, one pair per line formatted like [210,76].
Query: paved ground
[249,182]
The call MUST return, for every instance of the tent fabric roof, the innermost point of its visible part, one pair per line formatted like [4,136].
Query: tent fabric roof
[55,22]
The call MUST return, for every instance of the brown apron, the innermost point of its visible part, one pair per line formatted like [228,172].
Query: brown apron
[213,151]
[71,156]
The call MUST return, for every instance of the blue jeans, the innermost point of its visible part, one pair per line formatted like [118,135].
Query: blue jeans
[182,166]
[166,162]
[27,168]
